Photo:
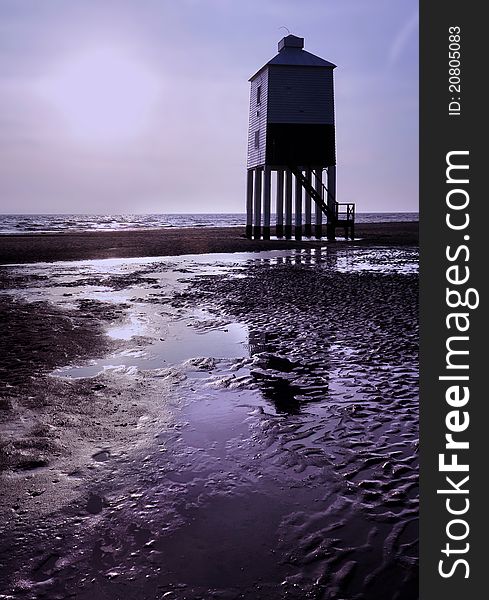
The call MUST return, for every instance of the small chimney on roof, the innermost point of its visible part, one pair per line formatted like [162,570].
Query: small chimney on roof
[291,41]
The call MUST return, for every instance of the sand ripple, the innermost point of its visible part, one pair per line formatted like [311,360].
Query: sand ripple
[287,471]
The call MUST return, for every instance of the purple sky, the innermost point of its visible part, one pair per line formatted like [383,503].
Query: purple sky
[194,59]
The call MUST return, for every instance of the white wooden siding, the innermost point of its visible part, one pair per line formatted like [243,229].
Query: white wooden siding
[258,122]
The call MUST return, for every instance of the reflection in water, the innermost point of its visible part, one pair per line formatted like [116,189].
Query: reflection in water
[287,384]
[346,259]
[184,339]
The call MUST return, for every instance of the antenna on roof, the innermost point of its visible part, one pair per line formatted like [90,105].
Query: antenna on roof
[286,28]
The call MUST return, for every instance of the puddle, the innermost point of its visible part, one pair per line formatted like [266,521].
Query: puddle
[101,456]
[182,342]
[347,259]
[135,326]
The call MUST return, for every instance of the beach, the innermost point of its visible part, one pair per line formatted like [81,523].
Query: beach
[171,241]
[190,414]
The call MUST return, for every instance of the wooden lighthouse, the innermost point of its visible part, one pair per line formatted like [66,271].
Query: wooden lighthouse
[291,147]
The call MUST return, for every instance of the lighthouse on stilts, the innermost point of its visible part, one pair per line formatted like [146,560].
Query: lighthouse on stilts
[291,148]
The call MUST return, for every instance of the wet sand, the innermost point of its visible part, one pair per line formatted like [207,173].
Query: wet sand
[211,426]
[28,248]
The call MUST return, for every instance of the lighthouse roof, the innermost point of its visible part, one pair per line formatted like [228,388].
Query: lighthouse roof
[291,53]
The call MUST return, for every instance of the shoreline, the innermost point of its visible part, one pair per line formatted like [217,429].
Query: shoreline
[92,245]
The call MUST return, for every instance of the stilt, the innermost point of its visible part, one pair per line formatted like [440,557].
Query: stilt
[288,204]
[249,204]
[298,209]
[307,208]
[266,202]
[318,180]
[330,230]
[279,227]
[257,226]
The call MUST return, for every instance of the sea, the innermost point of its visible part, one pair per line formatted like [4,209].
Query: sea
[59,223]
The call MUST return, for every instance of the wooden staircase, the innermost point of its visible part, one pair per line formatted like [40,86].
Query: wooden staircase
[337,214]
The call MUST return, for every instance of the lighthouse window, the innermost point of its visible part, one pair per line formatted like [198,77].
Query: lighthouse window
[258,94]
[257,139]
